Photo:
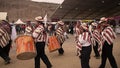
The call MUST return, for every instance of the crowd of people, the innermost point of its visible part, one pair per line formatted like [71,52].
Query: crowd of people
[98,35]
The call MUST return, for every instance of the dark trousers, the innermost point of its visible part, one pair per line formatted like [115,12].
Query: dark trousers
[61,51]
[40,47]
[85,56]
[95,48]
[3,54]
[107,53]
[7,48]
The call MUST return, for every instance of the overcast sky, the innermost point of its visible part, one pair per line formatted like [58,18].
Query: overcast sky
[50,1]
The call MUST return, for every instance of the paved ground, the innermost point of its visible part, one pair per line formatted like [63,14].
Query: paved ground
[68,60]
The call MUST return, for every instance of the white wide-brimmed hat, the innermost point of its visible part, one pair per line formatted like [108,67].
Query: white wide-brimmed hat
[80,21]
[60,22]
[39,18]
[94,24]
[103,19]
[84,26]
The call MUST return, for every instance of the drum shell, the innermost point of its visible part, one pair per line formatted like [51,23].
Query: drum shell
[25,47]
[53,44]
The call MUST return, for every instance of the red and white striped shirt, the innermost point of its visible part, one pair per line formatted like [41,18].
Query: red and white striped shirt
[59,31]
[97,37]
[39,34]
[4,37]
[77,33]
[108,35]
[84,40]
[60,34]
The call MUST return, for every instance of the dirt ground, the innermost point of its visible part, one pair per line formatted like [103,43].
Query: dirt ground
[68,60]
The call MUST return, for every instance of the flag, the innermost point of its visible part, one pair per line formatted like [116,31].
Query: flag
[45,20]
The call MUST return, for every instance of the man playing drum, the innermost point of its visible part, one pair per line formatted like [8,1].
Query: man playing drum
[39,34]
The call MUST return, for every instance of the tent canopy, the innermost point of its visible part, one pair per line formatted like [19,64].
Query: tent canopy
[86,9]
[19,22]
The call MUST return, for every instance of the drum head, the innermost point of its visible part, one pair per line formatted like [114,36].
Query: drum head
[26,56]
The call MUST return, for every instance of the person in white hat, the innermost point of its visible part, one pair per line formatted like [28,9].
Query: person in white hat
[40,36]
[78,31]
[60,36]
[85,45]
[108,36]
[5,43]
[96,39]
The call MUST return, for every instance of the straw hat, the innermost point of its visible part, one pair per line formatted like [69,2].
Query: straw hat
[84,26]
[61,22]
[103,19]
[39,18]
[80,21]
[94,24]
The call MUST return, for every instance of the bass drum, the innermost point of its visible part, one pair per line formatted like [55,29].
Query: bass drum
[25,47]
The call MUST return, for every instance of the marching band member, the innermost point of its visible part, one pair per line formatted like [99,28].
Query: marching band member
[96,39]
[5,41]
[40,38]
[78,31]
[108,35]
[85,45]
[60,36]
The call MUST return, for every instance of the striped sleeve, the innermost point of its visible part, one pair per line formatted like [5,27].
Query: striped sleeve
[4,38]
[77,31]
[108,34]
[59,31]
[113,33]
[97,36]
[79,46]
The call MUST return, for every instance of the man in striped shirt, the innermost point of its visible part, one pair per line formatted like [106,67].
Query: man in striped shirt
[85,45]
[96,39]
[4,40]
[108,35]
[78,31]
[60,36]
[39,34]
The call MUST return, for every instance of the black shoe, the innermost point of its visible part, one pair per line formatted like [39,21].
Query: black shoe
[101,66]
[97,57]
[49,66]
[9,58]
[60,54]
[7,62]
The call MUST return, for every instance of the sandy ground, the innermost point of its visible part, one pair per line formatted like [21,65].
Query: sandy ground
[68,60]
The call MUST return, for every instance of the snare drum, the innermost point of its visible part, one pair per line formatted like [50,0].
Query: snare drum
[25,47]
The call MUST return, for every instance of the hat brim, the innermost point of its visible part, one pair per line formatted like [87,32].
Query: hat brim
[61,23]
[38,19]
[85,27]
